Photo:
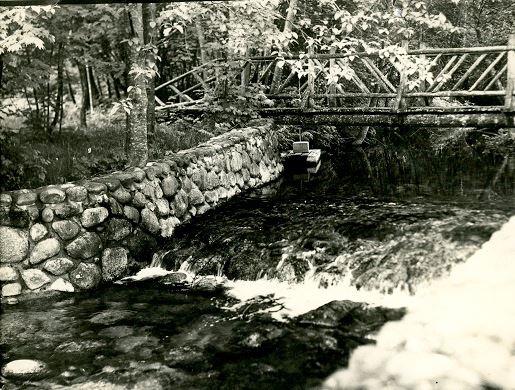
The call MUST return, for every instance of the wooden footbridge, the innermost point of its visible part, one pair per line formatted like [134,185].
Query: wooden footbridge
[430,87]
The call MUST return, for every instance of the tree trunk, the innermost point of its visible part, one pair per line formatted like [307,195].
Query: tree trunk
[59,97]
[149,33]
[288,27]
[85,94]
[70,89]
[136,131]
[1,70]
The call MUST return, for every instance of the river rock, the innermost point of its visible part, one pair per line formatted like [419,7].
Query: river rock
[187,184]
[34,278]
[116,332]
[199,177]
[86,276]
[170,186]
[11,289]
[264,172]
[8,274]
[37,232]
[118,229]
[26,197]
[131,213]
[58,266]
[114,263]
[109,317]
[122,195]
[77,193]
[179,206]
[52,195]
[168,225]
[94,216]
[236,161]
[95,188]
[62,285]
[212,180]
[67,209]
[133,343]
[211,196]
[196,196]
[66,229]
[163,207]
[14,245]
[87,245]
[25,369]
[44,250]
[139,200]
[149,221]
[5,200]
[47,215]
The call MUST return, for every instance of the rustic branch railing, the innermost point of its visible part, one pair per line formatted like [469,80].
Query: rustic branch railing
[397,83]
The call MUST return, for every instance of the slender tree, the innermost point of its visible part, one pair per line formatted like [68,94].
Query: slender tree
[136,146]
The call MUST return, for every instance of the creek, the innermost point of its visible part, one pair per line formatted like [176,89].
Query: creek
[308,268]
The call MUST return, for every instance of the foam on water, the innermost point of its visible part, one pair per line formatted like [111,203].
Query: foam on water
[299,298]
[458,334]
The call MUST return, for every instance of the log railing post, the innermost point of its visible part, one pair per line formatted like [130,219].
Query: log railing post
[399,100]
[509,102]
[332,86]
[311,77]
[245,73]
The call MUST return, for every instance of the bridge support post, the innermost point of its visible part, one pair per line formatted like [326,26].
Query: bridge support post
[509,102]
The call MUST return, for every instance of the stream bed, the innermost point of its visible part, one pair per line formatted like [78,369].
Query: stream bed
[314,264]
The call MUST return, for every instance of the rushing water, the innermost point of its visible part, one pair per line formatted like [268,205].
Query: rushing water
[371,226]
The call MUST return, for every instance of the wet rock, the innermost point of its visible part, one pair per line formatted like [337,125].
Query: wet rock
[26,197]
[8,274]
[114,263]
[117,332]
[67,209]
[86,276]
[87,245]
[94,216]
[25,369]
[149,221]
[203,208]
[14,245]
[222,193]
[170,186]
[176,278]
[163,207]
[109,317]
[47,215]
[58,266]
[37,232]
[211,196]
[52,195]
[62,285]
[34,278]
[44,250]
[66,229]
[77,194]
[118,229]
[131,213]
[11,289]
[79,346]
[133,343]
[141,244]
[264,172]
[196,196]
[122,195]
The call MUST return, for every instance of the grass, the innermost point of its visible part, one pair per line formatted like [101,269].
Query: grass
[29,159]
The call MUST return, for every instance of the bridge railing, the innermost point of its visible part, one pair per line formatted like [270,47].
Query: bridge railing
[393,81]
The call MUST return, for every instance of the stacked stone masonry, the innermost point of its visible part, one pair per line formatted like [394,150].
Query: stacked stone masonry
[74,236]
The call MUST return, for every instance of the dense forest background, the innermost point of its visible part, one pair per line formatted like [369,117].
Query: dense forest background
[77,82]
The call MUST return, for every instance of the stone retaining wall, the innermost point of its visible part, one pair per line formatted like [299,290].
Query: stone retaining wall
[71,237]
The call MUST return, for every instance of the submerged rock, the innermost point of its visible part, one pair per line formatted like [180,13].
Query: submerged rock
[25,369]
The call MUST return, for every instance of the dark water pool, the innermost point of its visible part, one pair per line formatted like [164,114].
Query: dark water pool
[392,219]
